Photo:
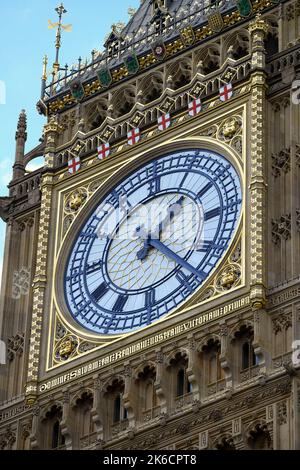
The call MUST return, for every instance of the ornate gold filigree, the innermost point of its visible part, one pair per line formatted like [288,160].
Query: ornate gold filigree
[68,345]
[75,201]
[229,277]
[230,127]
[229,130]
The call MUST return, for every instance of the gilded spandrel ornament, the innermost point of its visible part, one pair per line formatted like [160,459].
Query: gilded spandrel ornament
[76,200]
[66,348]
[229,277]
[230,127]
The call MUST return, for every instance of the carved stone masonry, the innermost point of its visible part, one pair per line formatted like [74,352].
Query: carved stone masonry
[298,219]
[159,357]
[282,413]
[281,162]
[21,283]
[282,322]
[281,228]
[297,154]
[15,346]
[7,439]
[26,429]
[292,10]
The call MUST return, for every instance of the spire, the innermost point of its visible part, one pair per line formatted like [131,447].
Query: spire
[44,76]
[60,10]
[21,137]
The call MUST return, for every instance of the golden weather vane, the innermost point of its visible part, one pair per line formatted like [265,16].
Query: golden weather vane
[59,26]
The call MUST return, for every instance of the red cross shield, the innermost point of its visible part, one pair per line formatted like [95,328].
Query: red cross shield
[226,92]
[134,136]
[74,165]
[195,107]
[104,151]
[164,122]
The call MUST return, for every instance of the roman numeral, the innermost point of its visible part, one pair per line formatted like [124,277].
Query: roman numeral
[154,186]
[183,180]
[213,213]
[115,198]
[93,267]
[100,292]
[182,279]
[205,189]
[120,303]
[149,298]
[88,235]
[207,245]
[74,276]
[149,301]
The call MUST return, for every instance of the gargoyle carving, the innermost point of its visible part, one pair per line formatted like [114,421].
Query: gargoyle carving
[5,206]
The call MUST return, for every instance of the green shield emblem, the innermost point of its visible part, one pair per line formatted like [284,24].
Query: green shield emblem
[104,77]
[244,7]
[132,63]
[77,90]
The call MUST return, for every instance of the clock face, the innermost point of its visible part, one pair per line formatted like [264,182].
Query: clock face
[152,241]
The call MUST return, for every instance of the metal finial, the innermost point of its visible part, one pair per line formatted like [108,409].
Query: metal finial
[61,10]
[59,26]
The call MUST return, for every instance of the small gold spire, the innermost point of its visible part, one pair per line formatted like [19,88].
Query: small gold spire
[45,63]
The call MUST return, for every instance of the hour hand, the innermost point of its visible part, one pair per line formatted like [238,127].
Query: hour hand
[173,210]
[140,232]
[142,254]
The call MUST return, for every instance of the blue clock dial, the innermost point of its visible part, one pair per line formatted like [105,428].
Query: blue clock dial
[152,241]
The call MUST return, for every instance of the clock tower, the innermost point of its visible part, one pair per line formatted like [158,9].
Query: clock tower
[150,294]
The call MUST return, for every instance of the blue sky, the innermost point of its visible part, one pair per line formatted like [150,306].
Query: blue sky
[24,39]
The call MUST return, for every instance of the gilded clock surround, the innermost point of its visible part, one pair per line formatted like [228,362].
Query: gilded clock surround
[91,191]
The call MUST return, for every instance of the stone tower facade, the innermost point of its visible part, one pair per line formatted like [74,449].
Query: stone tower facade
[218,372]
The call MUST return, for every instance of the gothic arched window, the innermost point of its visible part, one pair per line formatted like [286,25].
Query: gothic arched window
[259,438]
[211,363]
[244,348]
[82,414]
[119,412]
[183,384]
[249,358]
[51,433]
[57,438]
[117,409]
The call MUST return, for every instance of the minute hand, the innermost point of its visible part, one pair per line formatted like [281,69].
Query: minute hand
[174,257]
